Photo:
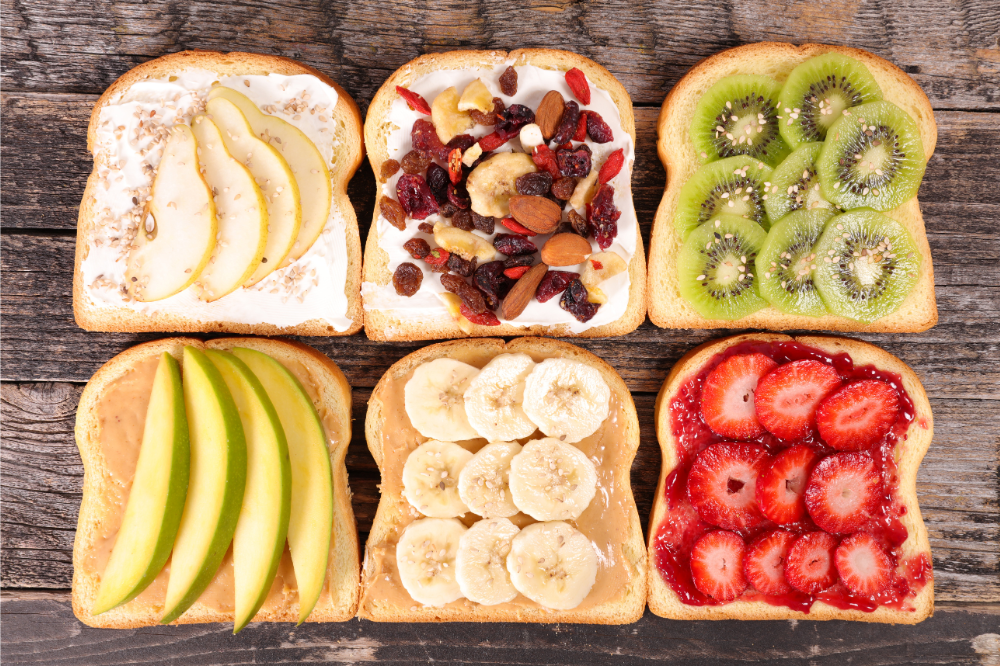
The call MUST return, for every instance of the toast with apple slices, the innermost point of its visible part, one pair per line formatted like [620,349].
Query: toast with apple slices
[334,556]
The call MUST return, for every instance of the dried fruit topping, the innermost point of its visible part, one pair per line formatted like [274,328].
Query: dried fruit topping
[764,564]
[787,398]
[493,141]
[462,142]
[508,82]
[464,243]
[722,485]
[565,250]
[563,188]
[568,123]
[414,101]
[574,163]
[531,136]
[602,216]
[575,301]
[512,224]
[484,318]
[415,196]
[554,283]
[862,565]
[578,84]
[447,208]
[513,245]
[463,220]
[438,258]
[809,566]
[519,260]
[549,113]
[537,183]
[545,159]
[490,117]
[417,247]
[461,266]
[425,139]
[781,490]
[470,295]
[438,181]
[843,492]
[522,292]
[727,396]
[389,169]
[514,117]
[611,166]
[516,272]
[392,212]
[483,223]
[426,227]
[717,565]
[476,97]
[407,279]
[578,223]
[492,282]
[458,196]
[539,214]
[415,162]
[585,191]
[858,415]
[581,127]
[598,130]
[448,120]
[471,156]
[455,166]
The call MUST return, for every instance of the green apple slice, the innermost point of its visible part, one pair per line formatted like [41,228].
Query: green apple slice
[274,177]
[177,234]
[305,160]
[159,486]
[310,525]
[260,533]
[215,490]
[240,210]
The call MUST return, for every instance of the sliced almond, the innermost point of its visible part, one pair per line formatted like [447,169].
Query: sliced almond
[549,113]
[539,214]
[565,250]
[522,292]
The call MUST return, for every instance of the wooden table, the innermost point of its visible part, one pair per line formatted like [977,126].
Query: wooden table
[58,56]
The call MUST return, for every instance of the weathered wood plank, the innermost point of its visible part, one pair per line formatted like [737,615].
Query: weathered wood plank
[84,47]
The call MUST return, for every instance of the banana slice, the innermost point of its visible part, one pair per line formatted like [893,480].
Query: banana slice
[481,563]
[552,564]
[483,484]
[550,480]
[430,479]
[492,183]
[425,557]
[447,119]
[464,243]
[433,399]
[476,96]
[493,399]
[566,399]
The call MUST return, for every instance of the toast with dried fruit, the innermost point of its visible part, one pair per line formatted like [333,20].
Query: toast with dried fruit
[788,487]
[504,203]
[218,200]
[790,200]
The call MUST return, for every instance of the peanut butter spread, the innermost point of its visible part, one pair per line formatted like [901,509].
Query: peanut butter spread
[605,521]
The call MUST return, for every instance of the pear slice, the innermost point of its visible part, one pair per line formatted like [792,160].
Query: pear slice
[274,177]
[177,233]
[241,212]
[159,486]
[305,160]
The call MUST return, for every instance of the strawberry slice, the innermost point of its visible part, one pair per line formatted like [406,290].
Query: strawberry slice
[722,484]
[787,397]
[863,566]
[727,398]
[717,565]
[843,492]
[857,415]
[781,489]
[764,565]
[809,566]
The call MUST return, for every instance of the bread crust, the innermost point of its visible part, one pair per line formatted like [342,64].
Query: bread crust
[235,63]
[334,397]
[663,601]
[667,308]
[382,324]
[628,609]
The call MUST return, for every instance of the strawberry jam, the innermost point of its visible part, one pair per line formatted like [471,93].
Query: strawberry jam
[682,525]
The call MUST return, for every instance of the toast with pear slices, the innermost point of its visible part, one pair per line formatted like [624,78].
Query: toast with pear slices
[530,558]
[109,461]
[247,227]
[667,307]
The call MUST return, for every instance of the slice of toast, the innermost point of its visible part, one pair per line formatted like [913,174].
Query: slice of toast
[103,314]
[394,512]
[106,483]
[389,325]
[910,450]
[667,308]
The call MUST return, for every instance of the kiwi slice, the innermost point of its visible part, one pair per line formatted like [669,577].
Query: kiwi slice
[872,158]
[715,268]
[734,186]
[786,262]
[795,183]
[739,116]
[866,264]
[818,92]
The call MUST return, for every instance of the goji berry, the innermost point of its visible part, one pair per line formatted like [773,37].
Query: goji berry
[492,141]
[516,272]
[545,159]
[578,84]
[581,128]
[437,257]
[455,166]
[517,228]
[414,101]
[485,318]
[611,166]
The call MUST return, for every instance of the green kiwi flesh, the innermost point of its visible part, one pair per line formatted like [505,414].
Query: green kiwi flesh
[786,262]
[734,185]
[866,265]
[795,184]
[818,91]
[739,116]
[715,268]
[872,158]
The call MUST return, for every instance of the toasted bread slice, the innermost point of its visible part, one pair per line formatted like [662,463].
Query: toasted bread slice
[910,450]
[344,123]
[667,308]
[389,325]
[394,512]
[106,483]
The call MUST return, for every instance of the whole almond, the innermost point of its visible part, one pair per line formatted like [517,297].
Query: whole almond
[549,113]
[539,214]
[522,292]
[565,250]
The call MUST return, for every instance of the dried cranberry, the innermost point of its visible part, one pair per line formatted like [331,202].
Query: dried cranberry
[470,295]
[574,163]
[415,196]
[537,183]
[513,245]
[574,301]
[508,82]
[602,216]
[581,127]
[438,181]
[567,126]
[392,212]
[522,260]
[414,101]
[612,165]
[463,220]
[598,129]
[417,247]
[426,227]
[448,209]
[577,81]
[492,283]
[407,279]
[461,266]
[461,141]
[485,318]
[513,119]
[545,159]
[415,162]
[554,282]
[425,139]
[459,196]
[389,169]
[483,223]
[578,223]
[563,188]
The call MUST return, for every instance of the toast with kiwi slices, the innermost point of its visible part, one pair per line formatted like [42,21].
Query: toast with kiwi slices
[791,194]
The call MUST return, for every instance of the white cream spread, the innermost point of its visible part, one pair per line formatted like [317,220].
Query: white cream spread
[130,138]
[532,84]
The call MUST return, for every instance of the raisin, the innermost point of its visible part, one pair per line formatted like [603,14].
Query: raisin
[415,196]
[492,283]
[513,245]
[463,220]
[578,223]
[545,159]
[612,165]
[537,183]
[438,180]
[574,301]
[425,139]
[461,141]
[392,212]
[426,227]
[484,318]
[563,188]
[417,247]
[459,196]
[567,126]
[448,209]
[574,163]
[598,129]
[461,266]
[489,118]
[470,295]
[407,279]
[522,260]
[508,82]
[554,282]
[389,169]
[415,162]
[602,216]
[483,223]
[513,118]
